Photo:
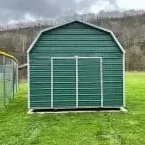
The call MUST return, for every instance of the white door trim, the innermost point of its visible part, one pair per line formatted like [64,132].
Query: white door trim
[77,59]
[51,83]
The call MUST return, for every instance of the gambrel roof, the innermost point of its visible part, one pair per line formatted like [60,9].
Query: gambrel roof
[85,23]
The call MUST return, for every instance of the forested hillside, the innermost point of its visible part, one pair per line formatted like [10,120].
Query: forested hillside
[130,30]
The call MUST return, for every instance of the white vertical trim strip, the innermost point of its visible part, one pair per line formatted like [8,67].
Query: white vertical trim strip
[28,76]
[51,82]
[101,74]
[124,95]
[76,57]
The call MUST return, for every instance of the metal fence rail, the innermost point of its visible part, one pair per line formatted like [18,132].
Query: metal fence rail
[8,79]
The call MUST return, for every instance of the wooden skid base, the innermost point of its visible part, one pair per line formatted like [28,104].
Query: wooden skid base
[64,111]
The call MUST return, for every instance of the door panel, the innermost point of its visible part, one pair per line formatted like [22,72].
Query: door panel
[64,83]
[89,82]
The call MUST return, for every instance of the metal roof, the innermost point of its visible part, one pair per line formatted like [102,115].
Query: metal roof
[85,23]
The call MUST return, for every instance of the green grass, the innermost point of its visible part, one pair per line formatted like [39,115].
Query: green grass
[8,92]
[18,128]
[1,93]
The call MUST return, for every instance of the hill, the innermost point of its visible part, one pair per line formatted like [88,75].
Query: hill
[130,30]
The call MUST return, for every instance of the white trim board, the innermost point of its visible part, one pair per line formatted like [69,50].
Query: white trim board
[51,82]
[88,24]
[28,76]
[124,80]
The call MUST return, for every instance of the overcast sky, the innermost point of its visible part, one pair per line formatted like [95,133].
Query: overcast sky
[29,10]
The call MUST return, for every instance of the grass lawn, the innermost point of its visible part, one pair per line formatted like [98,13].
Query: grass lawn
[18,128]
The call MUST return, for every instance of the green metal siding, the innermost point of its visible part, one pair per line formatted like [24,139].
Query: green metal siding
[89,82]
[64,74]
[68,41]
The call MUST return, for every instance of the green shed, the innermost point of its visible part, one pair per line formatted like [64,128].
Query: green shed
[76,65]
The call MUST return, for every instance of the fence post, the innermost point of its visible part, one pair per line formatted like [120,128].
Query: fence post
[13,79]
[4,81]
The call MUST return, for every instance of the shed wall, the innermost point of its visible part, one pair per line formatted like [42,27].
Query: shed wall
[68,41]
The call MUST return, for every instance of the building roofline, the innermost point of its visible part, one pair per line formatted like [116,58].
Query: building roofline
[85,23]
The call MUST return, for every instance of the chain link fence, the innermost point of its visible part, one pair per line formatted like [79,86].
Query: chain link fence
[8,78]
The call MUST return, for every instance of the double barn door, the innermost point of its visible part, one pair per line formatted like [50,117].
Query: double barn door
[76,82]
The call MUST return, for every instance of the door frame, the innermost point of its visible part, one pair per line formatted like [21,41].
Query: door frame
[76,58]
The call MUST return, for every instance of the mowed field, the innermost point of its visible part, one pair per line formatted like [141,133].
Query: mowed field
[19,128]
